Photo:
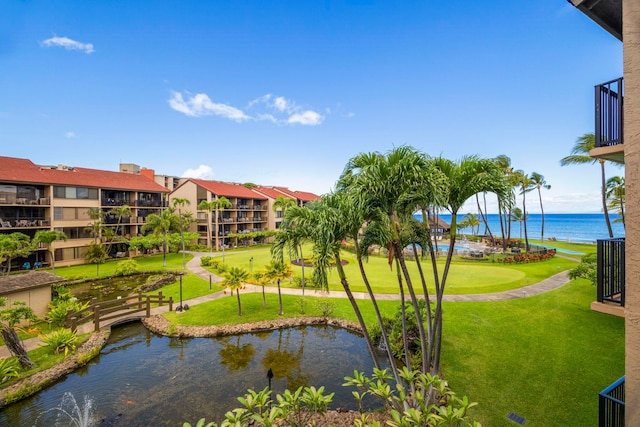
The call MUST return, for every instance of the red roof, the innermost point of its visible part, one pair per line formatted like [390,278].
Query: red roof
[272,193]
[227,189]
[300,195]
[25,171]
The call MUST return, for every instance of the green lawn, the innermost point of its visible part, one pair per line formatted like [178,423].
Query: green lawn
[465,276]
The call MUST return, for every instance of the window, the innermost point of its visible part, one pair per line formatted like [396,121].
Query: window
[75,193]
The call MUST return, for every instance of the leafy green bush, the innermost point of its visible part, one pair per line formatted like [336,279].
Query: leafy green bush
[587,269]
[301,304]
[325,307]
[61,304]
[8,369]
[62,339]
[126,267]
[205,261]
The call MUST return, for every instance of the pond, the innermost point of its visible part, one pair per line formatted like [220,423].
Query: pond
[141,378]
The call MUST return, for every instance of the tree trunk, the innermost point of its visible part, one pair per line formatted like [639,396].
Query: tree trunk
[280,299]
[542,212]
[239,305]
[16,347]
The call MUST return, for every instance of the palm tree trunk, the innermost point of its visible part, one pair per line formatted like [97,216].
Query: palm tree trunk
[604,200]
[239,304]
[416,307]
[356,310]
[280,299]
[405,341]
[524,217]
[16,347]
[376,309]
[542,213]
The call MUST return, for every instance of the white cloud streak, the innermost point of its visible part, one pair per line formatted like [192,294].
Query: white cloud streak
[201,105]
[201,172]
[68,44]
[278,110]
[70,134]
[308,117]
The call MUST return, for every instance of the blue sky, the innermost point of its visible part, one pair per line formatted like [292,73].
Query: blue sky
[285,92]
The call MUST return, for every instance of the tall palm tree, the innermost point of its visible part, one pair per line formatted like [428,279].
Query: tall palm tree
[518,216]
[523,183]
[538,182]
[95,227]
[282,203]
[47,237]
[179,203]
[387,179]
[234,279]
[465,178]
[277,270]
[322,224]
[504,206]
[208,206]
[220,203]
[580,156]
[161,225]
[616,196]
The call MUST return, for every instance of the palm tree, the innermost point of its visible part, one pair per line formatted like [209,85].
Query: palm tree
[48,237]
[283,203]
[180,202]
[208,206]
[162,224]
[220,203]
[579,156]
[538,182]
[95,227]
[277,270]
[234,279]
[465,178]
[471,220]
[616,196]
[505,205]
[518,216]
[523,182]
[323,225]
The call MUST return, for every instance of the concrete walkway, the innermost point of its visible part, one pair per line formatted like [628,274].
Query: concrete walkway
[193,265]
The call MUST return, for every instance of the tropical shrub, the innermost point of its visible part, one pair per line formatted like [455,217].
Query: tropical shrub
[587,269]
[423,399]
[62,339]
[205,261]
[60,305]
[325,307]
[127,267]
[8,369]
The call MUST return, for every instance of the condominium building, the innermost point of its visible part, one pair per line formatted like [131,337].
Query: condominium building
[39,197]
[250,210]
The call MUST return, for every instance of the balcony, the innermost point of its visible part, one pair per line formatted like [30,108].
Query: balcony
[610,279]
[609,131]
[611,405]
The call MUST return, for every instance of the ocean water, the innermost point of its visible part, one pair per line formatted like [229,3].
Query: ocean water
[579,228]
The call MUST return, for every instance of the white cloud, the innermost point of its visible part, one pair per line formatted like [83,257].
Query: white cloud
[201,172]
[68,44]
[278,110]
[70,134]
[280,103]
[201,105]
[307,117]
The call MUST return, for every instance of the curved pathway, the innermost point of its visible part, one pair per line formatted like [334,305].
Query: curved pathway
[193,265]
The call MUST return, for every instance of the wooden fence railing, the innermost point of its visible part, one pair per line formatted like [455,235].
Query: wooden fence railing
[103,311]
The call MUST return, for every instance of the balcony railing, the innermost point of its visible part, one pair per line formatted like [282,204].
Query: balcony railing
[609,113]
[611,405]
[611,273]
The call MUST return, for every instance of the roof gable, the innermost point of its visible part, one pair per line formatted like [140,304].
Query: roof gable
[228,189]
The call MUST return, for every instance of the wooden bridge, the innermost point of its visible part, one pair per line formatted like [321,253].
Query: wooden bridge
[116,310]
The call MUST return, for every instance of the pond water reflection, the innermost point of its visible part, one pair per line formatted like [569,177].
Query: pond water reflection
[141,378]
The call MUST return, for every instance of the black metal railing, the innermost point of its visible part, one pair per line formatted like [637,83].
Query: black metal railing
[609,113]
[611,405]
[611,272]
